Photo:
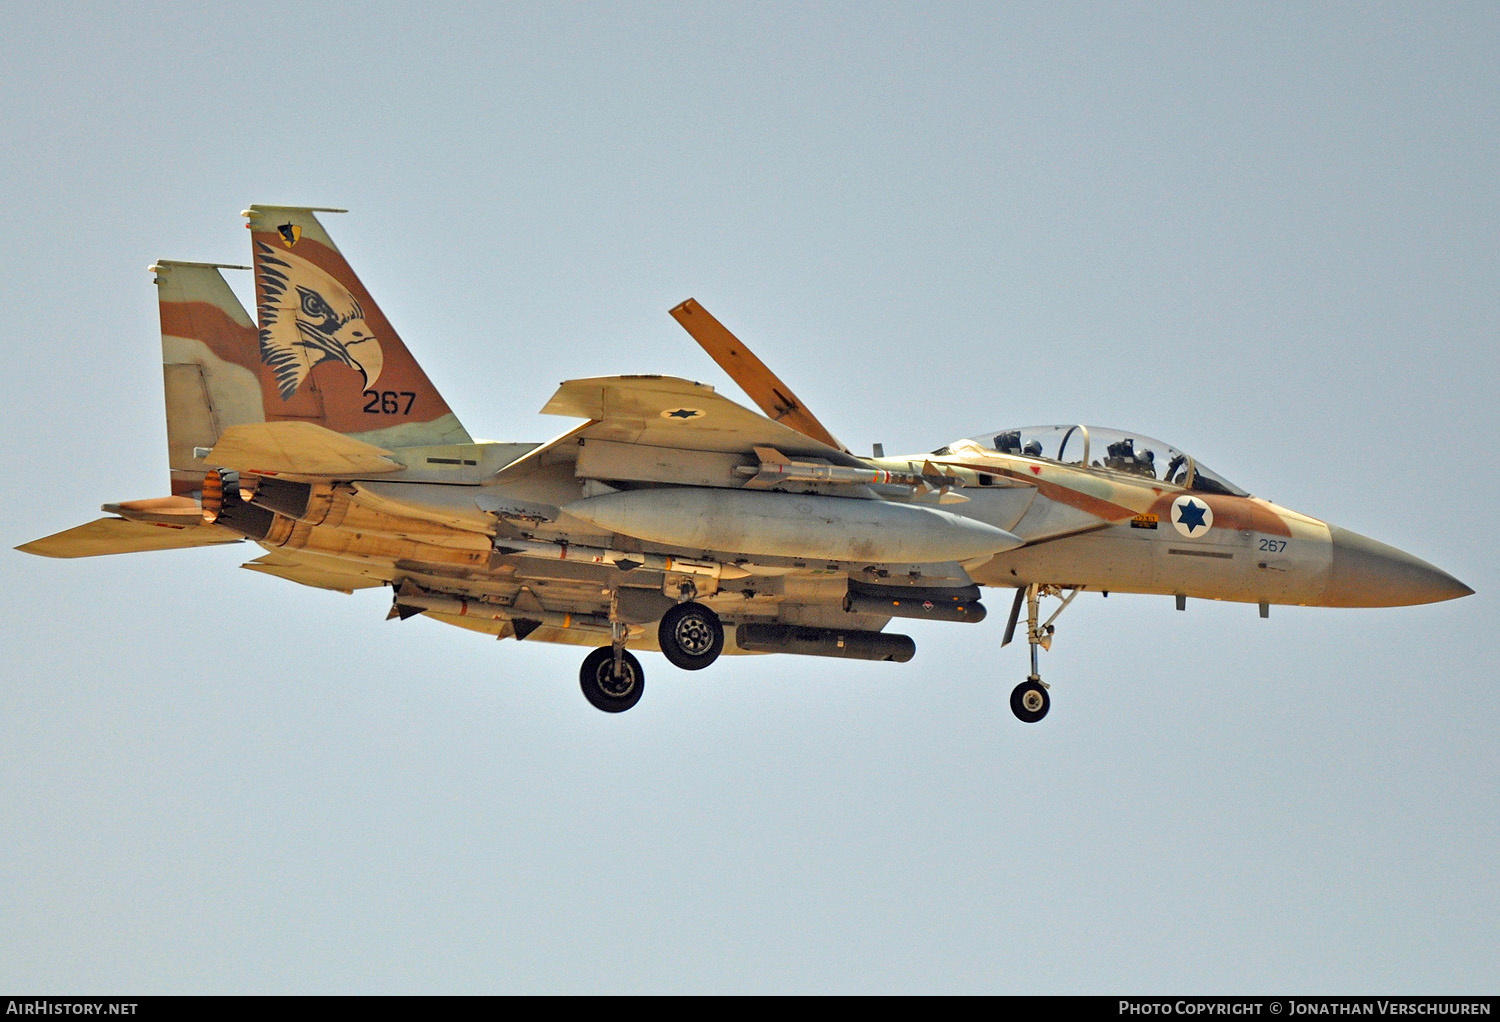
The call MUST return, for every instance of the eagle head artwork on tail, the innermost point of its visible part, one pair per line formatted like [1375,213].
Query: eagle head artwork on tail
[308,318]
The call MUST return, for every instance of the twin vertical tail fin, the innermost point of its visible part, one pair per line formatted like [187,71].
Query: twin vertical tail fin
[323,352]
[210,364]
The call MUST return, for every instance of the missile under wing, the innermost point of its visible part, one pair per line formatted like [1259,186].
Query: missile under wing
[668,518]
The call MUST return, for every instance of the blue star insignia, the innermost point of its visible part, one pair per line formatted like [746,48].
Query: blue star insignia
[683,413]
[1190,515]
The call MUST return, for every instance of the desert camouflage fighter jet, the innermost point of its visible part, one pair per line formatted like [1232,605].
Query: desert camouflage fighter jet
[671,518]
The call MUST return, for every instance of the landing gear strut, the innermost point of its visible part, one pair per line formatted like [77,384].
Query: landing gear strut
[611,677]
[1029,700]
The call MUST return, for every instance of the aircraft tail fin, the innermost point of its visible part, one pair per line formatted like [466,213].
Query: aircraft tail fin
[210,364]
[327,353]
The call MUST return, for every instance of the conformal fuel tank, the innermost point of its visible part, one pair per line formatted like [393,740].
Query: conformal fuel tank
[792,525]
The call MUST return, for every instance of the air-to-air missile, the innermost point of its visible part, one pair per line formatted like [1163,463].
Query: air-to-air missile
[671,518]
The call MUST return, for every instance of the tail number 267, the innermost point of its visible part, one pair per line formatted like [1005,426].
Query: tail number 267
[389,402]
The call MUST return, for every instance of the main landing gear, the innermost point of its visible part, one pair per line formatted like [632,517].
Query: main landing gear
[610,684]
[691,637]
[611,677]
[1029,700]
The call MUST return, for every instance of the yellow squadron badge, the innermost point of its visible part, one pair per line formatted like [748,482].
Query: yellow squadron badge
[290,233]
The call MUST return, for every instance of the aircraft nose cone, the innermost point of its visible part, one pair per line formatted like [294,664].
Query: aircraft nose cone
[1367,573]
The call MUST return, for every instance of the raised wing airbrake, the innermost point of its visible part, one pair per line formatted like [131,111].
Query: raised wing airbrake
[670,518]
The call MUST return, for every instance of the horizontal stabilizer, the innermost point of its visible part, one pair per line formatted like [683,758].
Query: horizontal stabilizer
[119,536]
[298,448]
[309,571]
[174,510]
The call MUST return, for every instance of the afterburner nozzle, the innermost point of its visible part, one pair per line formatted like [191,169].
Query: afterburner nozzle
[221,489]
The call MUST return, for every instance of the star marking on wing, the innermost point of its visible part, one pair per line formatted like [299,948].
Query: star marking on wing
[682,413]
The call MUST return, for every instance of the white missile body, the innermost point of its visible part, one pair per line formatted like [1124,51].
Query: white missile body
[793,525]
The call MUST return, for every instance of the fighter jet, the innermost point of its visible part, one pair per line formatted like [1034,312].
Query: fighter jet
[670,518]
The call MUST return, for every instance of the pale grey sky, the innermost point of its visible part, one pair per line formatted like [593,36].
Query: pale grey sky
[1264,233]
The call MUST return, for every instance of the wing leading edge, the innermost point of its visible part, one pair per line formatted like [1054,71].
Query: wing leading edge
[665,411]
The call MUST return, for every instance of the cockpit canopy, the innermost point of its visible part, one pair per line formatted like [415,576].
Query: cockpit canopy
[1113,449]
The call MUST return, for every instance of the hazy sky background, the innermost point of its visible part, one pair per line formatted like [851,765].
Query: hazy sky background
[1264,233]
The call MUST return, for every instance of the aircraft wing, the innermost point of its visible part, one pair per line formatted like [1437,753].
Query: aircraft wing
[122,536]
[664,411]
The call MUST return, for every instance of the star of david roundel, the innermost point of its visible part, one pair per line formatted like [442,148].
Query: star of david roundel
[1192,517]
[683,414]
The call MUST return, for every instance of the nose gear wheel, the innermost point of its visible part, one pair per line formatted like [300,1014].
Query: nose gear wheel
[1029,701]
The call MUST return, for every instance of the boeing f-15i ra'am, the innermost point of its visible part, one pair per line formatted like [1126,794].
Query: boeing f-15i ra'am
[671,518]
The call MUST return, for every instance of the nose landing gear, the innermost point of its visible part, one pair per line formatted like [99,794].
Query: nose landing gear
[1029,700]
